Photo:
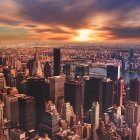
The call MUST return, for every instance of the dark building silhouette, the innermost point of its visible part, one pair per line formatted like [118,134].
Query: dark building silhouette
[93,92]
[2,61]
[11,80]
[81,70]
[57,67]
[47,70]
[107,94]
[26,113]
[36,88]
[6,71]
[113,72]
[135,90]
[30,66]
[19,78]
[66,70]
[131,54]
[74,93]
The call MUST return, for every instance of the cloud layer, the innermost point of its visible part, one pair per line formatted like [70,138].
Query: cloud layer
[62,19]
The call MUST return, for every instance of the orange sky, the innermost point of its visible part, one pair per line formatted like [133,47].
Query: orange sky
[70,21]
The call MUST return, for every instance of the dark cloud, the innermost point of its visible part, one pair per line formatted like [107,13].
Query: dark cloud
[72,13]
[124,32]
[31,26]
[52,30]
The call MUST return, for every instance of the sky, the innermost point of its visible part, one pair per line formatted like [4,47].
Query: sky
[70,20]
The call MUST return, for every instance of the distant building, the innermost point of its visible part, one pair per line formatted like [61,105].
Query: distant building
[57,67]
[113,72]
[47,70]
[81,70]
[2,81]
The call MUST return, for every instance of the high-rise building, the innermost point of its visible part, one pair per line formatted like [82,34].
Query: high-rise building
[30,66]
[118,92]
[2,81]
[16,134]
[19,78]
[66,69]
[56,88]
[12,109]
[93,115]
[11,80]
[81,70]
[26,112]
[135,90]
[47,70]
[6,71]
[131,56]
[107,94]
[49,122]
[113,72]
[36,88]
[93,92]
[1,116]
[74,93]
[132,114]
[67,111]
[57,67]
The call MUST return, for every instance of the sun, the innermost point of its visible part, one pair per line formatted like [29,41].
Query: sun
[83,35]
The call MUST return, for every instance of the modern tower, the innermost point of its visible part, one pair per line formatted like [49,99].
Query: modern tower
[26,113]
[107,94]
[57,67]
[74,93]
[113,72]
[47,70]
[56,88]
[135,90]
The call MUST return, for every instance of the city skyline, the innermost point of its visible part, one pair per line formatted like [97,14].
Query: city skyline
[70,21]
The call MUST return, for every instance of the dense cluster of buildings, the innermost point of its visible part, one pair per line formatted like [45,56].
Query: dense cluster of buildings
[43,101]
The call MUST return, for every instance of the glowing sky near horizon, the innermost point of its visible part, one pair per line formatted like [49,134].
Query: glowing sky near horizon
[70,20]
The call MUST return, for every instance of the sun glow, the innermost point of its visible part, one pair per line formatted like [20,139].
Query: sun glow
[83,35]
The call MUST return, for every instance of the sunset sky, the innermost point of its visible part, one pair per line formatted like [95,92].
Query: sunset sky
[70,20]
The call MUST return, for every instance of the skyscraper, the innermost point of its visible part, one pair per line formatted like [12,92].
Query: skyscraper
[93,92]
[66,69]
[74,93]
[107,94]
[2,81]
[113,72]
[132,114]
[57,67]
[49,122]
[81,70]
[135,90]
[47,70]
[36,88]
[56,88]
[12,109]
[26,113]
[93,115]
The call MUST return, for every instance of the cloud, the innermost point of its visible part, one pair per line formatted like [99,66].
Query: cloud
[115,18]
